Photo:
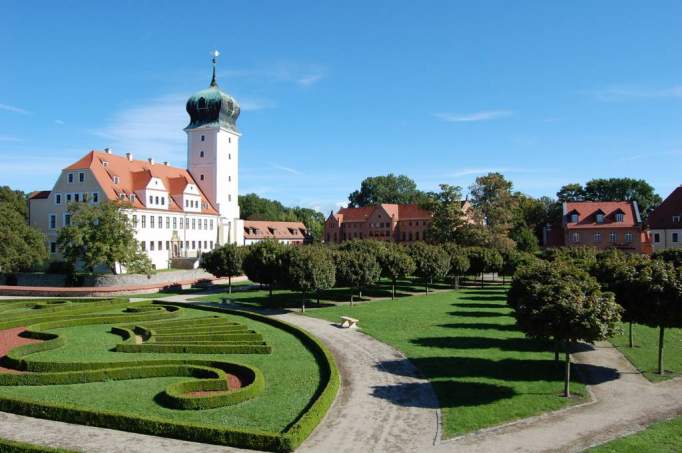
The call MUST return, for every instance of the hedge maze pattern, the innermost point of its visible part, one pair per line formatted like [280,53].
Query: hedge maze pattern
[154,328]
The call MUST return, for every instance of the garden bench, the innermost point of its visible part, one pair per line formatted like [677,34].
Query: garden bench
[348,322]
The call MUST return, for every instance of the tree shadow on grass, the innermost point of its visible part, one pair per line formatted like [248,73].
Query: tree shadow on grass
[475,298]
[481,326]
[477,314]
[504,344]
[449,393]
[503,370]
[475,305]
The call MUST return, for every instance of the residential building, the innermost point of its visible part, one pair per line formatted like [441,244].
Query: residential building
[665,223]
[384,222]
[285,232]
[601,224]
[176,212]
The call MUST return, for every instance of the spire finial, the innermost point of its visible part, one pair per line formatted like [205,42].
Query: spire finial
[215,54]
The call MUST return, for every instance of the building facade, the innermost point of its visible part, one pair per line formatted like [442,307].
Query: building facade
[665,223]
[176,213]
[612,224]
[285,232]
[384,222]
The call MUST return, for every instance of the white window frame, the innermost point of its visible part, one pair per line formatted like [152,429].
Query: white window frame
[64,216]
[50,218]
[57,198]
[575,237]
[628,237]
[613,237]
[69,178]
[596,237]
[620,217]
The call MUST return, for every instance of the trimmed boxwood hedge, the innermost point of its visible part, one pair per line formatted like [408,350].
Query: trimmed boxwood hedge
[287,440]
[11,446]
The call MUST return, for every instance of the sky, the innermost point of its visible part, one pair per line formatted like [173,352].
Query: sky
[547,93]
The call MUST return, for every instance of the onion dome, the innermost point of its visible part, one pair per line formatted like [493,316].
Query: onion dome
[212,107]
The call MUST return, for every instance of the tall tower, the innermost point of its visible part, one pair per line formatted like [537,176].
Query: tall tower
[213,154]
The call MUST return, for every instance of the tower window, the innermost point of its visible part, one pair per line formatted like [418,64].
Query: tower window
[203,138]
[201,177]
[202,103]
[229,139]
[229,156]
[229,178]
[201,154]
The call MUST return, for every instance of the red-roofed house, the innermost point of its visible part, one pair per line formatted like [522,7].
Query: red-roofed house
[285,232]
[665,223]
[601,224]
[384,222]
[176,212]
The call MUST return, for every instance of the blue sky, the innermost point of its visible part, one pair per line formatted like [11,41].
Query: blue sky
[547,93]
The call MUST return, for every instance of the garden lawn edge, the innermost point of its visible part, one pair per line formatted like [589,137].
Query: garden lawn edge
[12,446]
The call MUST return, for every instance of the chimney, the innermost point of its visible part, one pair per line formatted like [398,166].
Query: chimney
[151,161]
[107,150]
[166,164]
[129,156]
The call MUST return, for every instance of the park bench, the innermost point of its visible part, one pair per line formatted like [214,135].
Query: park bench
[348,322]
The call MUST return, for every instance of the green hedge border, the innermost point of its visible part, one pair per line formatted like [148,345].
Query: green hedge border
[288,440]
[13,446]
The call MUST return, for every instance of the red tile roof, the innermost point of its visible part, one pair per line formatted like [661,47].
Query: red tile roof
[40,195]
[265,229]
[587,211]
[134,175]
[662,217]
[396,211]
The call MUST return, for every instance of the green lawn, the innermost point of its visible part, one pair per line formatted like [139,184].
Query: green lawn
[11,446]
[664,437]
[291,375]
[484,371]
[645,353]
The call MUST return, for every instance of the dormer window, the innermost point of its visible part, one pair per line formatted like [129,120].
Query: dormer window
[122,197]
[574,217]
[676,219]
[132,198]
[620,217]
[600,217]
[105,163]
[116,179]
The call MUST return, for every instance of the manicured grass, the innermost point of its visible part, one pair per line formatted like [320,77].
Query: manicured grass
[291,299]
[173,292]
[644,355]
[484,371]
[291,374]
[664,437]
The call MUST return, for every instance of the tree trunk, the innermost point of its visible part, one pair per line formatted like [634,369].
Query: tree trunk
[351,297]
[557,350]
[393,291]
[660,350]
[302,301]
[318,297]
[456,282]
[504,279]
[426,285]
[229,284]
[632,343]
[360,293]
[270,288]
[481,279]
[567,375]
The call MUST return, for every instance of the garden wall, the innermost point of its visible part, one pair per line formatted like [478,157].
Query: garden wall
[160,278]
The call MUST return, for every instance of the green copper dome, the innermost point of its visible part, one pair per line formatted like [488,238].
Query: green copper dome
[212,107]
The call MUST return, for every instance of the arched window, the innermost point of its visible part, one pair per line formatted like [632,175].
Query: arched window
[202,103]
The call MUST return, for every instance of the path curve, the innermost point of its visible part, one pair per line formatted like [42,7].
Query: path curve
[376,410]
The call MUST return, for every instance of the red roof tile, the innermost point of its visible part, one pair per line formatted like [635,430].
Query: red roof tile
[587,211]
[396,211]
[40,195]
[265,229]
[134,175]
[662,217]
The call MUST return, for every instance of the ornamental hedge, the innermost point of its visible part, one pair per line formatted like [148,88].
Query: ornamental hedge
[213,377]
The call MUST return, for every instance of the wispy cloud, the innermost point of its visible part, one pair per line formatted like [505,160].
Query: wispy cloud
[675,152]
[60,122]
[303,75]
[251,105]
[625,93]
[485,170]
[473,117]
[293,171]
[11,108]
[9,138]
[152,130]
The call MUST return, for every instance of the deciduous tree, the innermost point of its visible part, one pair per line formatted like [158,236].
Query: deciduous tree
[558,301]
[385,189]
[395,263]
[459,262]
[432,262]
[102,234]
[484,260]
[356,269]
[309,269]
[22,248]
[262,262]
[224,261]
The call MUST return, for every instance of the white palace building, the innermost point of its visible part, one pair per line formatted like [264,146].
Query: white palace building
[177,213]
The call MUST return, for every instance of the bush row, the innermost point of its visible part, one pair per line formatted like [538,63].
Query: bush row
[162,348]
[10,446]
